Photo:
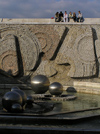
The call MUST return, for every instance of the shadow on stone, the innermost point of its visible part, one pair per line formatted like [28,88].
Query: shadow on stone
[60,43]
[96,57]
[19,57]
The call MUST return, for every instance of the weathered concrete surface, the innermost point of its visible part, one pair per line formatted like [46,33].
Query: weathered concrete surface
[87,87]
[64,52]
[46,20]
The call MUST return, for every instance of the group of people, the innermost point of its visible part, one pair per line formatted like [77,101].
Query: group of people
[60,17]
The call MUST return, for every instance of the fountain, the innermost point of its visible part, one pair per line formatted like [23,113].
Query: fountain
[51,107]
[44,72]
[17,98]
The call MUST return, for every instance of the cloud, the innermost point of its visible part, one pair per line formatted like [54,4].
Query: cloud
[47,8]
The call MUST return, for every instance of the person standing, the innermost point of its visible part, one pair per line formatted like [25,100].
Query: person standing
[65,17]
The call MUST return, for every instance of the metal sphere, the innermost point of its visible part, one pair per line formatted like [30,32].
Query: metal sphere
[40,84]
[29,100]
[16,108]
[23,95]
[11,98]
[56,88]
[71,89]
[13,88]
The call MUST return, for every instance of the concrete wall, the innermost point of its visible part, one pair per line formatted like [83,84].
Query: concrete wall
[66,53]
[48,20]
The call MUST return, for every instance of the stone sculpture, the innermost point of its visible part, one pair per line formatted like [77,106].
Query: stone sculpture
[78,51]
[20,48]
[61,52]
[75,56]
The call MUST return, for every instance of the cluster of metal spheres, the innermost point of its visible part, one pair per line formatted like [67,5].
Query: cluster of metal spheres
[41,84]
[16,99]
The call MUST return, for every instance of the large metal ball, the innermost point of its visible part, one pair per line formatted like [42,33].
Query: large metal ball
[29,100]
[56,88]
[40,84]
[16,108]
[23,95]
[11,98]
[13,88]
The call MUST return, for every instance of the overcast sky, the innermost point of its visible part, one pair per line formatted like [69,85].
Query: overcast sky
[47,8]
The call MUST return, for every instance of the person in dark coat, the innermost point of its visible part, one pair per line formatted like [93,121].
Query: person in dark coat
[61,16]
[74,17]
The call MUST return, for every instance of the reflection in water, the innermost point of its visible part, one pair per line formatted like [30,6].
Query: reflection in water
[58,107]
[82,102]
[94,104]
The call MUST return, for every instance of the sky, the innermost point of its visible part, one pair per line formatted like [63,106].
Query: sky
[48,8]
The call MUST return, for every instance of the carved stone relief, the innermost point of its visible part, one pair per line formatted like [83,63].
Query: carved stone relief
[76,51]
[19,50]
[62,52]
[49,38]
